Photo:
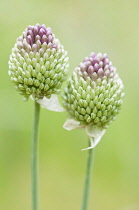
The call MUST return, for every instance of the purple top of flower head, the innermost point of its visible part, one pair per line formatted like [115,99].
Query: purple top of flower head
[40,33]
[36,37]
[96,66]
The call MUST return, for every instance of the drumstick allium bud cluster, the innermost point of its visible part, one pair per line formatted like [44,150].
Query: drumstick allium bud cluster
[38,64]
[94,94]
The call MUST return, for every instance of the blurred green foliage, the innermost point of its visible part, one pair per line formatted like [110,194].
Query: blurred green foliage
[82,27]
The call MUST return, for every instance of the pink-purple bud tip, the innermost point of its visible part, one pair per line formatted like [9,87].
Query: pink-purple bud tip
[37,35]
[97,66]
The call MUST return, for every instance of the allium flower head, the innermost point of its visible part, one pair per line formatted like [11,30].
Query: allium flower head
[38,64]
[94,95]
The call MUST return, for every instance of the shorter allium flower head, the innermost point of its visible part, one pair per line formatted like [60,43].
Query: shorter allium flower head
[38,64]
[93,96]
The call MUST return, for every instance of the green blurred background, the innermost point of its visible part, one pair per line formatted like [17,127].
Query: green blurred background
[82,26]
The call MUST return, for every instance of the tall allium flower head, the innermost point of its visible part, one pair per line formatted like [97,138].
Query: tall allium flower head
[38,64]
[93,96]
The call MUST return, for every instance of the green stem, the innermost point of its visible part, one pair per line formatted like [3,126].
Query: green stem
[34,157]
[88,178]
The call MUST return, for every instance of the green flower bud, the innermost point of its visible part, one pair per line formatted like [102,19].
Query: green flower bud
[38,63]
[94,93]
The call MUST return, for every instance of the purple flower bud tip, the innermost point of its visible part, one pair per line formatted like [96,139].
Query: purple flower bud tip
[92,55]
[90,70]
[86,59]
[101,73]
[97,66]
[41,33]
[95,60]
[105,56]
[106,61]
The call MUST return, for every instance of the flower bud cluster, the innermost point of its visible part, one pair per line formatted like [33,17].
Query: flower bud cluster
[38,64]
[94,93]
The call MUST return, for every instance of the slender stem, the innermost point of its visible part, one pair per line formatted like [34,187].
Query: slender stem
[88,178]
[34,157]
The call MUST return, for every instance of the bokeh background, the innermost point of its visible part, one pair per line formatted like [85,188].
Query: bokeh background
[82,26]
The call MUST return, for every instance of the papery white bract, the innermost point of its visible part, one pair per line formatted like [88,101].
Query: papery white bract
[51,104]
[94,133]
